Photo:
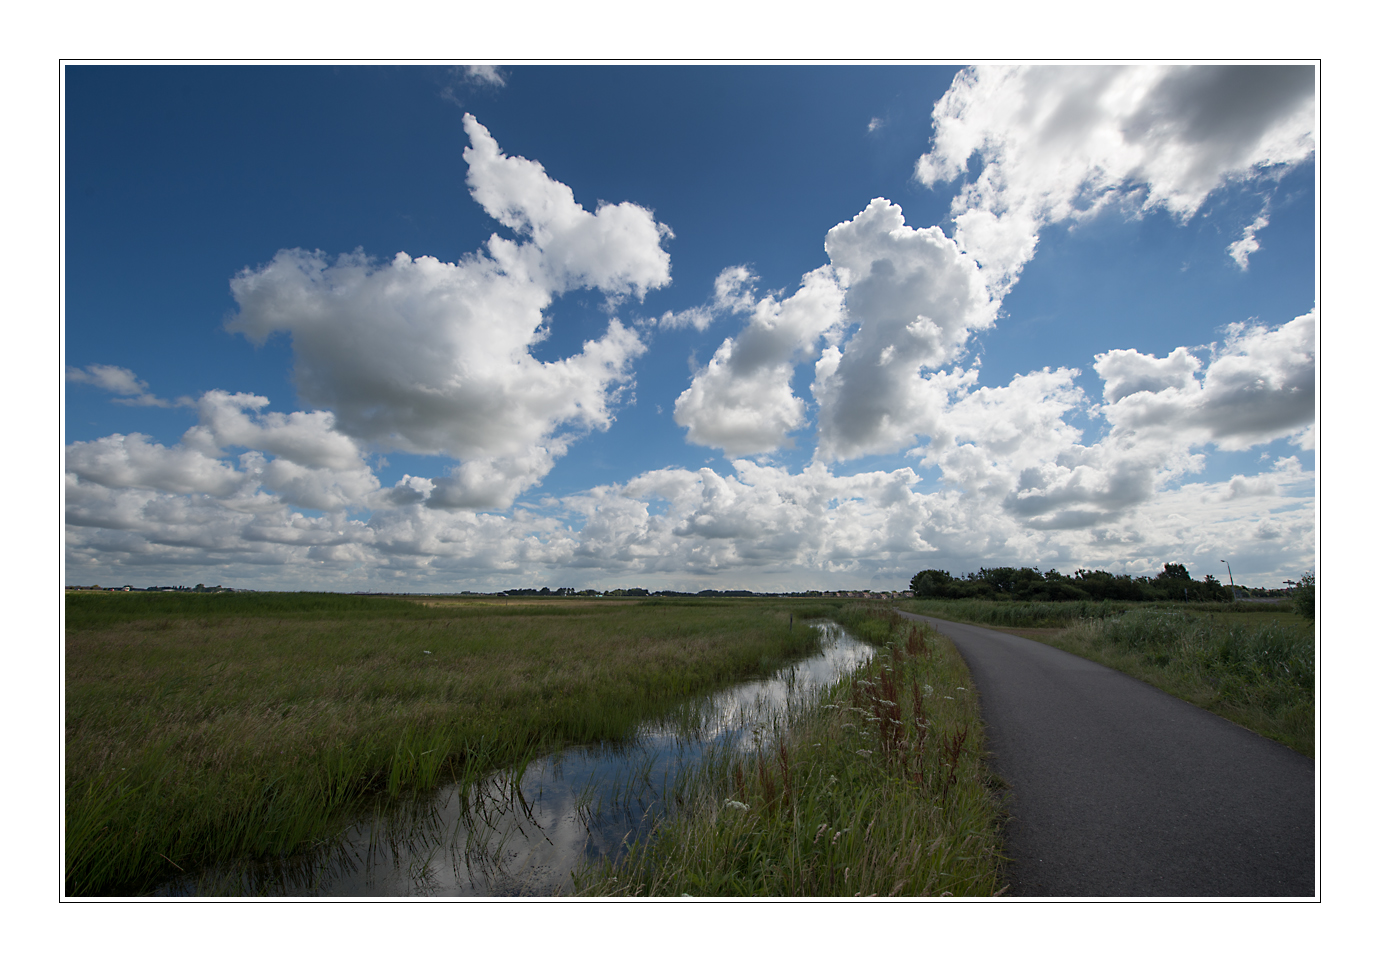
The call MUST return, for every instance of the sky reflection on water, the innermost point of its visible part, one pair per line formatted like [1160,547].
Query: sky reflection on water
[515,837]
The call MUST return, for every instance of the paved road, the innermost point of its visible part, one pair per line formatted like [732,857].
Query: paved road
[1121,790]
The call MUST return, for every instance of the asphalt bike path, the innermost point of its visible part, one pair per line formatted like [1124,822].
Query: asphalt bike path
[1118,789]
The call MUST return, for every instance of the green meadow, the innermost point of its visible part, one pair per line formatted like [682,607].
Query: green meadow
[204,729]
[207,730]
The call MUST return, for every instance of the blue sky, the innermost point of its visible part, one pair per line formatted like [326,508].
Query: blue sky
[1060,316]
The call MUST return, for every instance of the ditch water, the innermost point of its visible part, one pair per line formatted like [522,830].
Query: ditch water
[522,833]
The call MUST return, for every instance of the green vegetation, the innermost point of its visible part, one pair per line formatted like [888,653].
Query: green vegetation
[1062,614]
[1250,663]
[206,728]
[1016,614]
[1305,593]
[1173,583]
[877,788]
[104,610]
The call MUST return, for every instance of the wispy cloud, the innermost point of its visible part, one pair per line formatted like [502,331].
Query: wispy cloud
[486,74]
[734,293]
[1241,250]
[123,382]
[471,76]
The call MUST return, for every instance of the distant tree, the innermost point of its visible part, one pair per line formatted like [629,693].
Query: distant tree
[1002,580]
[1304,595]
[930,582]
[1064,590]
[1060,587]
[1105,586]
[1173,572]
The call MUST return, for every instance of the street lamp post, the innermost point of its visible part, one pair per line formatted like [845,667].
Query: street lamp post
[1229,577]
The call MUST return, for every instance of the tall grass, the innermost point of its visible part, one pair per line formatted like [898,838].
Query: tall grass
[1015,614]
[876,788]
[1259,675]
[1061,614]
[258,727]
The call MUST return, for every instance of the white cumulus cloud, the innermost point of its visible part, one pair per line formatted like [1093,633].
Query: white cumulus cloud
[912,299]
[1258,387]
[1058,142]
[135,461]
[432,357]
[915,299]
[742,400]
[313,466]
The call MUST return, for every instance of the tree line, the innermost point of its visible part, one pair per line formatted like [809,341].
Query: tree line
[1174,583]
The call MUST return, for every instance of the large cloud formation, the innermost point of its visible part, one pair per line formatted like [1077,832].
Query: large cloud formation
[1057,144]
[1259,384]
[758,526]
[430,357]
[913,298]
[1017,481]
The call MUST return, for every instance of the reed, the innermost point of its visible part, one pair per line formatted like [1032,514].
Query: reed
[875,787]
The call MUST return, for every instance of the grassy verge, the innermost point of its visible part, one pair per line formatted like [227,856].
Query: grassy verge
[1061,614]
[878,788]
[205,729]
[1252,664]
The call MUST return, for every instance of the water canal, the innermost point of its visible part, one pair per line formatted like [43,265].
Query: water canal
[522,833]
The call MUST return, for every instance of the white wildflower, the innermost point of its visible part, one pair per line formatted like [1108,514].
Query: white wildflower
[730,803]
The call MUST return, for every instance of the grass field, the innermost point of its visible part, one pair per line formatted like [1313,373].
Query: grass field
[877,788]
[1251,663]
[201,729]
